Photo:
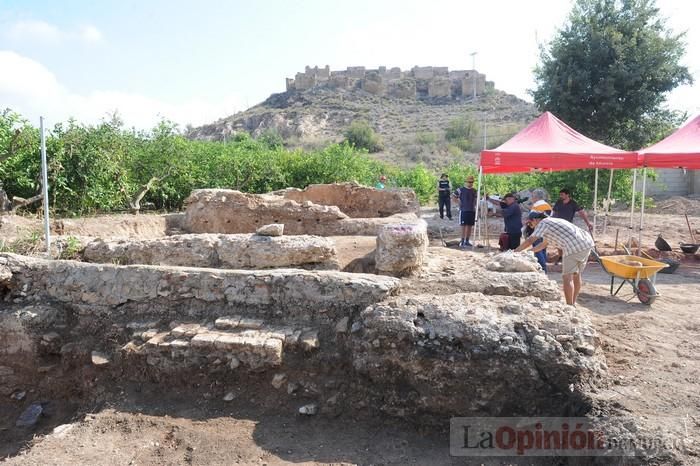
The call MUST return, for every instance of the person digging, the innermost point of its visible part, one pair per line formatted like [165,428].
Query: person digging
[576,245]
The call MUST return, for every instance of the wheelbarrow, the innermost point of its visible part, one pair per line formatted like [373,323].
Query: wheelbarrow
[639,272]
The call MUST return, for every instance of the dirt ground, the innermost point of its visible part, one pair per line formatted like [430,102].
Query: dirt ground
[652,355]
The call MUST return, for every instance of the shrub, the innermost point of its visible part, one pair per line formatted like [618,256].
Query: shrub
[361,135]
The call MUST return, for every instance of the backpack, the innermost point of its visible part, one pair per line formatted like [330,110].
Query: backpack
[503,241]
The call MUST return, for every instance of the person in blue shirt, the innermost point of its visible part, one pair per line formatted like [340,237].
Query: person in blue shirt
[467,209]
[512,218]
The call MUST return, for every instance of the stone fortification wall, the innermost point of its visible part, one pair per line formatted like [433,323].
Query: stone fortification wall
[418,82]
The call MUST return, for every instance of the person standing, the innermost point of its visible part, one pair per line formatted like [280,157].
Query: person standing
[444,192]
[512,219]
[467,209]
[566,208]
[575,243]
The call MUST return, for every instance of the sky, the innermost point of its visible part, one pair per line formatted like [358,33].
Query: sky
[196,62]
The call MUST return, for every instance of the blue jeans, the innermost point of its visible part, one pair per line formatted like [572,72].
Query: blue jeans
[541,255]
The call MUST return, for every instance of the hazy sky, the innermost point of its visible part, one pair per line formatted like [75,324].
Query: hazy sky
[195,62]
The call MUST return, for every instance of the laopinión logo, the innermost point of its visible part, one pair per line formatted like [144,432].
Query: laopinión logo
[549,436]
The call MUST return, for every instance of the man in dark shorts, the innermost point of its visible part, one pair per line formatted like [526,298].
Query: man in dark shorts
[467,209]
[444,192]
[512,218]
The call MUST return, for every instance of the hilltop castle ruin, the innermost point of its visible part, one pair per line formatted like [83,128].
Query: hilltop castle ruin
[419,82]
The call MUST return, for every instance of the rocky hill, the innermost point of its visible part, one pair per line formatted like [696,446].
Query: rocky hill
[413,130]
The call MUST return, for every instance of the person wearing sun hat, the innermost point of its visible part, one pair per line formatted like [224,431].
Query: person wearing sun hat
[467,209]
[576,245]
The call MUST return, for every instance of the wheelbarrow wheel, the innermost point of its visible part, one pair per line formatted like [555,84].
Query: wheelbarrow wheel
[646,291]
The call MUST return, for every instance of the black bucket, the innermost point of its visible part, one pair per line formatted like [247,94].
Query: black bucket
[662,245]
[689,248]
[672,265]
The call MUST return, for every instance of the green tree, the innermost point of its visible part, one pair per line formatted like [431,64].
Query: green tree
[608,71]
[361,135]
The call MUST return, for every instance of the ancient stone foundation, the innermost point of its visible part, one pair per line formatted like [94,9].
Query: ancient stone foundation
[242,251]
[357,201]
[347,342]
[228,211]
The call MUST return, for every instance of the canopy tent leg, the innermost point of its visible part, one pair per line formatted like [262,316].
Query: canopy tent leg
[607,203]
[641,210]
[478,202]
[595,201]
[634,191]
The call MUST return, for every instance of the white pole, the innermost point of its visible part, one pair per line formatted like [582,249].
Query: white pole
[641,210]
[474,69]
[45,188]
[607,206]
[595,201]
[634,191]
[478,201]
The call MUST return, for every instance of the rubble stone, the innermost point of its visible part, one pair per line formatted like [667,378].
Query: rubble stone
[510,261]
[273,229]
[355,200]
[421,350]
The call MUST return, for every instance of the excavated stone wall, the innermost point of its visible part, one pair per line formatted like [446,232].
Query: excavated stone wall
[242,251]
[343,342]
[228,211]
[355,200]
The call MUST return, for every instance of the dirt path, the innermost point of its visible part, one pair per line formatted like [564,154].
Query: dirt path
[652,352]
[148,427]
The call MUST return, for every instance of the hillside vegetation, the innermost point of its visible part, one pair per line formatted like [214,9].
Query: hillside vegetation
[411,131]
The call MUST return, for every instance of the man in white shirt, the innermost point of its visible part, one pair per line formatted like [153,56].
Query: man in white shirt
[575,243]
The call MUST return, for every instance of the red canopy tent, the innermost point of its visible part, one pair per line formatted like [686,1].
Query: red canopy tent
[679,150]
[549,144]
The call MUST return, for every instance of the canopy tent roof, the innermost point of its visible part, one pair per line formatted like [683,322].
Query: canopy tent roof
[680,150]
[549,144]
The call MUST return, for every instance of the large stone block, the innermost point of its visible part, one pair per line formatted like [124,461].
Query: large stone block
[475,354]
[155,292]
[242,251]
[401,248]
